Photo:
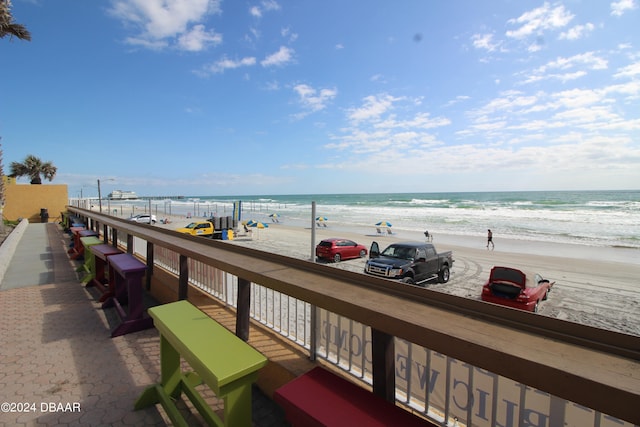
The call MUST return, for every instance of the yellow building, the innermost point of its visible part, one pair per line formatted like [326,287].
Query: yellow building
[29,200]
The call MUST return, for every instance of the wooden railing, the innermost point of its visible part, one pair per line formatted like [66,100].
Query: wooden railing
[593,368]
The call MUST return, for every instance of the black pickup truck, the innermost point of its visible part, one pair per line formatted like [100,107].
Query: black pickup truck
[409,262]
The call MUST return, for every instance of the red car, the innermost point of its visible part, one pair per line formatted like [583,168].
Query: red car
[513,288]
[339,249]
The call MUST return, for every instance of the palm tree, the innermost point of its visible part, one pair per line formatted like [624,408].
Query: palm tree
[33,167]
[7,26]
[11,29]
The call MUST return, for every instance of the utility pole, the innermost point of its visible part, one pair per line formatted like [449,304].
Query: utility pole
[99,197]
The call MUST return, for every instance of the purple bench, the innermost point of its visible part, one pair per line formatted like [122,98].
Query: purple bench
[125,278]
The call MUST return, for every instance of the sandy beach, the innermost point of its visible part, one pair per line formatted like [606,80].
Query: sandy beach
[595,286]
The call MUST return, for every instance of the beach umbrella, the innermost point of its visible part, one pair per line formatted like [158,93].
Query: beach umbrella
[321,220]
[258,225]
[383,224]
[274,217]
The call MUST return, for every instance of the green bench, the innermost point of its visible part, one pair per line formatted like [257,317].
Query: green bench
[220,359]
[89,260]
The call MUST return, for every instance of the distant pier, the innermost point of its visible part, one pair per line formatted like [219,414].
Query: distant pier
[161,197]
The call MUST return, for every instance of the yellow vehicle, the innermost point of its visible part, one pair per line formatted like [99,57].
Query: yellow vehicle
[199,228]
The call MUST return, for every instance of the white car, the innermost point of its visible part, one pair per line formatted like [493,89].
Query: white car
[144,218]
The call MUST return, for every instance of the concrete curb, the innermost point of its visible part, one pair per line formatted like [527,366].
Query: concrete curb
[9,246]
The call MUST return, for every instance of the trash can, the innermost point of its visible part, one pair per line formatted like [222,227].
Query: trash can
[225,235]
[216,223]
[44,215]
[230,234]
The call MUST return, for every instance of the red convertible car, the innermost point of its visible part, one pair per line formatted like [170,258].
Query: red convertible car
[513,288]
[339,249]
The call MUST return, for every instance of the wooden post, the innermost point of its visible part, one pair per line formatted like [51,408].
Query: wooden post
[105,233]
[114,237]
[130,244]
[244,309]
[384,378]
[183,280]
[149,265]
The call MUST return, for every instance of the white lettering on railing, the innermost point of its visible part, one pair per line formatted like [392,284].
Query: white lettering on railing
[474,396]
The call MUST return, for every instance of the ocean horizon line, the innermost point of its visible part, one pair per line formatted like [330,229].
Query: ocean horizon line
[632,190]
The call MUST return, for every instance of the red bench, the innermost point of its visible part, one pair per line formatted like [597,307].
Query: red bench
[321,398]
[75,240]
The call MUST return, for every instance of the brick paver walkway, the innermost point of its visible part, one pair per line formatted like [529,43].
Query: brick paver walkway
[59,366]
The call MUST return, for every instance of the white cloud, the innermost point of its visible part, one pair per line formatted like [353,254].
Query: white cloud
[420,121]
[630,70]
[375,129]
[198,39]
[229,64]
[508,102]
[312,99]
[618,8]
[534,47]
[164,23]
[571,155]
[484,41]
[629,91]
[577,32]
[456,100]
[287,34]
[255,11]
[573,67]
[283,56]
[264,6]
[576,98]
[374,107]
[536,21]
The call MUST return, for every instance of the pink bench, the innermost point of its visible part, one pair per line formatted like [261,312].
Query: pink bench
[321,398]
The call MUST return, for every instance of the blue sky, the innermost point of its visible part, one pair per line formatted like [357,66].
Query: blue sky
[203,97]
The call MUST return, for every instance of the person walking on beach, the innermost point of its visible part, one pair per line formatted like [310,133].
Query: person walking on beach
[490,239]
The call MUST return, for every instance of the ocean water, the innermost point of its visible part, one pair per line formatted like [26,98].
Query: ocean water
[596,218]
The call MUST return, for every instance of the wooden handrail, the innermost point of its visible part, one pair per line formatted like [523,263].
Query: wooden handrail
[593,367]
